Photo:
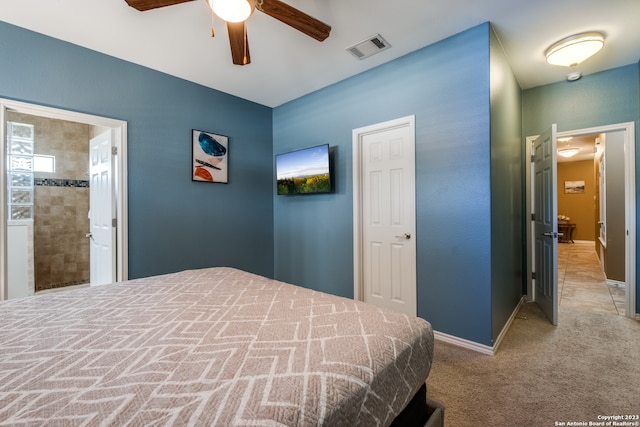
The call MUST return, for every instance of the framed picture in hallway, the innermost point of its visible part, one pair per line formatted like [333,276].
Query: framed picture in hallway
[209,157]
[574,187]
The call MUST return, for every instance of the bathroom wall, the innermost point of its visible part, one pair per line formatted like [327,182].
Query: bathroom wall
[61,203]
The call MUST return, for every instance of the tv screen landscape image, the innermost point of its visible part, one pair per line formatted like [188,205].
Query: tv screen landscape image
[304,171]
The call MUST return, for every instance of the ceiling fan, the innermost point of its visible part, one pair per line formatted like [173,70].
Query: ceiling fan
[238,30]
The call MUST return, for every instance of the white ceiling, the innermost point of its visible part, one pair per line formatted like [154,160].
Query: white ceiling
[586,144]
[287,64]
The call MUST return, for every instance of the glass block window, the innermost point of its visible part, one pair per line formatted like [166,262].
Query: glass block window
[21,196]
[21,163]
[20,146]
[20,143]
[21,212]
[20,179]
[21,131]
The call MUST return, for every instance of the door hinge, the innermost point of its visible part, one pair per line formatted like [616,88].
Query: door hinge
[533,275]
[533,217]
[114,222]
[114,150]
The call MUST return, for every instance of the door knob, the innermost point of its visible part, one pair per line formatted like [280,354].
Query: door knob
[551,234]
[89,235]
[406,236]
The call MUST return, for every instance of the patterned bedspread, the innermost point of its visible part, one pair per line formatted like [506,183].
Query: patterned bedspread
[215,346]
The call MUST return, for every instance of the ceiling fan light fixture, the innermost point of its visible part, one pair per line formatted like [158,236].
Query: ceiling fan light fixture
[232,10]
[573,50]
[568,151]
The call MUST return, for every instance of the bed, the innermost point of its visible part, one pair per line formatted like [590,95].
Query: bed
[215,346]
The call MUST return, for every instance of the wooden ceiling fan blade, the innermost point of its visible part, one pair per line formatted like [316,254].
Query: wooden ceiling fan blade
[143,5]
[239,43]
[295,18]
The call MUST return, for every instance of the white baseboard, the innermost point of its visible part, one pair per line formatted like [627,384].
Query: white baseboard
[472,345]
[461,342]
[498,340]
[616,283]
[584,242]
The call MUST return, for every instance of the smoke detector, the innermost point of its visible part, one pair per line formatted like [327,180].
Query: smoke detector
[368,47]
[572,77]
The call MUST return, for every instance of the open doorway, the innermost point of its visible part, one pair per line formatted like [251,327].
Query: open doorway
[614,237]
[591,222]
[70,200]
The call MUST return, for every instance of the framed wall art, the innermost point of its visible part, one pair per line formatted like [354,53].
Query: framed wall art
[210,157]
[574,187]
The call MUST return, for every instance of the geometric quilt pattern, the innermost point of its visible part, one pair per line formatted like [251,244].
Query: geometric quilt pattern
[216,346]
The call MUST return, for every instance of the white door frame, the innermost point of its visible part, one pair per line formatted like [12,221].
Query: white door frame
[119,128]
[358,292]
[630,208]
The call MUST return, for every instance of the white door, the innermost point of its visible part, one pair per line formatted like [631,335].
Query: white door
[102,213]
[546,224]
[602,211]
[387,215]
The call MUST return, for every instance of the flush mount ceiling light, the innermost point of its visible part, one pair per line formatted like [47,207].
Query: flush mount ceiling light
[232,10]
[568,151]
[572,50]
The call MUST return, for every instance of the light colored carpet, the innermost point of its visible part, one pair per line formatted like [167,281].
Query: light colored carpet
[587,366]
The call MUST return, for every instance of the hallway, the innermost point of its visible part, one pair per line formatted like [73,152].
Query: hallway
[581,282]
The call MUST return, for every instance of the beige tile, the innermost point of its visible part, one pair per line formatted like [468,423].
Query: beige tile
[581,282]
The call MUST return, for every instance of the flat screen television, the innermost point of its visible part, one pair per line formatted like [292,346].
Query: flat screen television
[305,171]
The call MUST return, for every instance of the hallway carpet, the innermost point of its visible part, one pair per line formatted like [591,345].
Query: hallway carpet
[542,375]
[589,365]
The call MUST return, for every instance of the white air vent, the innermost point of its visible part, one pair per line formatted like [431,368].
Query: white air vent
[368,47]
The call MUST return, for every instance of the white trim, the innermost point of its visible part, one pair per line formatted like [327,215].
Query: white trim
[630,204]
[480,348]
[461,342]
[4,275]
[530,242]
[119,129]
[584,242]
[629,201]
[616,283]
[507,325]
[357,136]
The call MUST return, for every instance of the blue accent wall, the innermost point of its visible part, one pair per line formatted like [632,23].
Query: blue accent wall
[446,86]
[507,189]
[174,223]
[467,122]
[605,98]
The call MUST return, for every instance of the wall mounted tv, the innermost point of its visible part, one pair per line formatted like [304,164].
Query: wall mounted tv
[304,171]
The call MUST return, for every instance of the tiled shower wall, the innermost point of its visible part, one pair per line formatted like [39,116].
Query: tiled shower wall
[61,203]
